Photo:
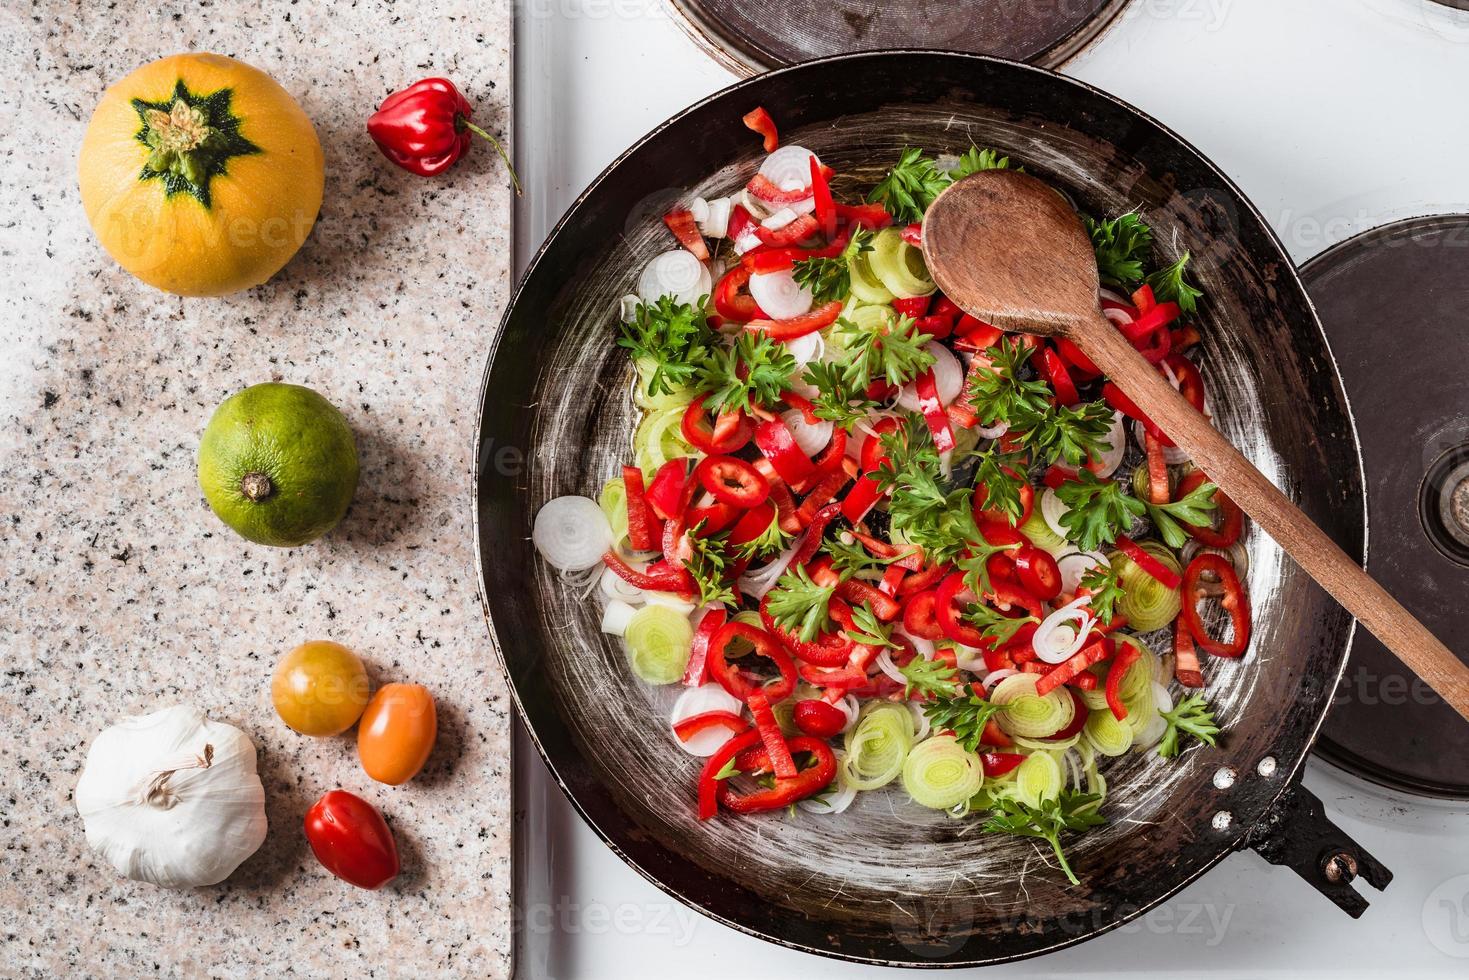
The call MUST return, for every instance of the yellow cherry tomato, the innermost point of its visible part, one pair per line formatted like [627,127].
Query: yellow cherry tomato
[397,732]
[319,688]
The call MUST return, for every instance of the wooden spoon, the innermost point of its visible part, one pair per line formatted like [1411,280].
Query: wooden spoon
[1011,251]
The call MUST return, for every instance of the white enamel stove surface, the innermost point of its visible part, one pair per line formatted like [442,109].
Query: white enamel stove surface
[1334,116]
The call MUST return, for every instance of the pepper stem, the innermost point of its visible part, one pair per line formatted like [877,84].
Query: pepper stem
[463,123]
[256,486]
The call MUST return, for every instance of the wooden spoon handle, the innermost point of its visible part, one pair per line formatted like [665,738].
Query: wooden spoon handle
[1311,548]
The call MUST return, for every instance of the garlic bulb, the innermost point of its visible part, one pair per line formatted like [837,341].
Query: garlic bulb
[172,798]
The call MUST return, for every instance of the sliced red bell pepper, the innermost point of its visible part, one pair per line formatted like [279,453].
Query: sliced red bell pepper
[1084,681]
[937,327]
[871,216]
[668,493]
[710,624]
[766,190]
[658,578]
[767,259]
[1147,562]
[741,224]
[1068,669]
[865,493]
[1157,468]
[1143,298]
[709,521]
[813,778]
[974,334]
[820,496]
[734,679]
[825,211]
[753,523]
[1054,371]
[780,495]
[709,785]
[799,326]
[832,649]
[915,306]
[994,735]
[913,234]
[1073,356]
[924,579]
[1231,519]
[920,616]
[641,530]
[997,764]
[732,481]
[778,445]
[1234,602]
[1130,654]
[758,120]
[731,301]
[857,592]
[946,611]
[681,222]
[892,579]
[775,744]
[797,231]
[933,411]
[815,529]
[694,724]
[1185,337]
[1185,657]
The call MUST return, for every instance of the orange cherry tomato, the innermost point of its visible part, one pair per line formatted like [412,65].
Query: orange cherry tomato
[397,732]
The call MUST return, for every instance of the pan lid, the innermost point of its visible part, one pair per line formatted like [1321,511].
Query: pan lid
[750,36]
[1393,301]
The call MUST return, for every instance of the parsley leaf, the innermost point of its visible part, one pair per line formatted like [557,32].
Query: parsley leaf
[869,629]
[771,541]
[895,355]
[1099,510]
[1192,716]
[974,160]
[1105,587]
[1001,475]
[1070,811]
[674,337]
[939,521]
[995,625]
[837,399]
[847,559]
[1168,284]
[930,678]
[1196,508]
[1122,244]
[997,393]
[798,605]
[830,279]
[730,769]
[754,370]
[1070,434]
[975,564]
[910,186]
[964,716]
[707,564]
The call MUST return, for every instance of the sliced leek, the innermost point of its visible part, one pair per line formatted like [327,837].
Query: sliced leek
[1028,714]
[658,640]
[898,265]
[1038,778]
[1147,603]
[678,398]
[1039,532]
[1107,735]
[940,773]
[877,745]
[658,439]
[866,286]
[613,501]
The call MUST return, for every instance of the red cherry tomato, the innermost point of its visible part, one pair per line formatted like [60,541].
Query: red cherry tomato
[1037,573]
[351,840]
[817,718]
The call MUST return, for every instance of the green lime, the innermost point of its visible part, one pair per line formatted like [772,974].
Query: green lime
[278,464]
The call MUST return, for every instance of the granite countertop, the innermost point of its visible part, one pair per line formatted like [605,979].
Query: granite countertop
[124,594]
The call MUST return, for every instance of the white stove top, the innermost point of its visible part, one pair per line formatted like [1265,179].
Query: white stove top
[1333,117]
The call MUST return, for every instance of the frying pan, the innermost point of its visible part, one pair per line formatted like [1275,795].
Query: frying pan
[890,882]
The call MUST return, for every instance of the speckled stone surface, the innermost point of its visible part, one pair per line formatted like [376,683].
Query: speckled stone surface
[121,591]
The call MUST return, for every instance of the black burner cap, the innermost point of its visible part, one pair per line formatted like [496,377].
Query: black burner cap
[1395,304]
[756,35]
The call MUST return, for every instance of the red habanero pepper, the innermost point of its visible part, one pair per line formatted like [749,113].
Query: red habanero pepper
[825,208]
[781,762]
[913,234]
[815,777]
[1054,371]
[709,784]
[640,522]
[681,222]
[797,231]
[873,217]
[736,681]
[1147,562]
[1185,657]
[758,120]
[425,128]
[997,764]
[914,307]
[1126,657]
[933,411]
[778,445]
[668,492]
[694,724]
[732,481]
[729,300]
[819,719]
[1231,520]
[698,668]
[1064,672]
[1234,602]
[798,326]
[730,431]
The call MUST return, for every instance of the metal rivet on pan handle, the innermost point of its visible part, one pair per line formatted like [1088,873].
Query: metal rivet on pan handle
[1266,767]
[1224,777]
[1222,821]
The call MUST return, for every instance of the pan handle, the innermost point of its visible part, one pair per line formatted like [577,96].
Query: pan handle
[1296,833]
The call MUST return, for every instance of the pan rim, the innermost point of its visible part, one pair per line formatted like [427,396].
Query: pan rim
[1286,778]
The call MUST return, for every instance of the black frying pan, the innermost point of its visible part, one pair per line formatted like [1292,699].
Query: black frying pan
[888,881]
